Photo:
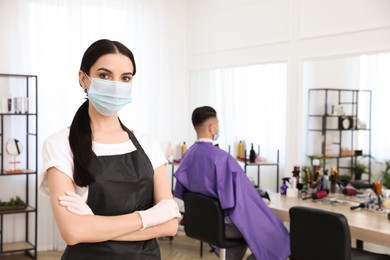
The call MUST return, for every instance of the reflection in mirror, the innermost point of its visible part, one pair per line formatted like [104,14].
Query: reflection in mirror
[362,72]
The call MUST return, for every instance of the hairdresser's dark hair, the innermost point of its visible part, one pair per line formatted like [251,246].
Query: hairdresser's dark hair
[201,114]
[80,135]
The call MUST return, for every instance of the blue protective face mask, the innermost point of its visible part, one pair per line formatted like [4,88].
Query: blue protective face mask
[108,97]
[216,136]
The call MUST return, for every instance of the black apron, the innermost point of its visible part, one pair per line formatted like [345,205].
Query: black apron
[123,184]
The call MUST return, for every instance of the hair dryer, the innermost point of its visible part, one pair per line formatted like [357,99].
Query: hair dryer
[318,195]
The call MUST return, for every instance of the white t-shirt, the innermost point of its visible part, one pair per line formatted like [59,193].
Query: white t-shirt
[56,152]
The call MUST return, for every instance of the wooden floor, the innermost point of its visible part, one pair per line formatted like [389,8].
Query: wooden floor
[180,248]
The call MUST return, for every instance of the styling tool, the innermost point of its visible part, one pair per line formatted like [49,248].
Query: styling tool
[318,195]
[376,187]
[361,205]
[263,194]
[349,192]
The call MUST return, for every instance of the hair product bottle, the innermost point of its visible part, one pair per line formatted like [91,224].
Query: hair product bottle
[170,153]
[240,150]
[252,154]
[334,178]
[183,148]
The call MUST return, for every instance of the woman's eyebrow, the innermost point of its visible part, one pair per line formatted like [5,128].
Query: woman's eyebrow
[109,71]
[104,69]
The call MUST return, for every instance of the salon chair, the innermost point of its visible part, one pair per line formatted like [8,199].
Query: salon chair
[319,234]
[204,220]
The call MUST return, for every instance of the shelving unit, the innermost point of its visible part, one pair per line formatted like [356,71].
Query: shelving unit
[22,177]
[339,127]
[247,164]
[173,165]
[262,164]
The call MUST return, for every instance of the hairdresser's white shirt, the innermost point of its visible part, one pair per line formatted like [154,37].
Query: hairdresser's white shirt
[56,153]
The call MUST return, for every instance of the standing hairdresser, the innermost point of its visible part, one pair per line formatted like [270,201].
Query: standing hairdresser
[107,184]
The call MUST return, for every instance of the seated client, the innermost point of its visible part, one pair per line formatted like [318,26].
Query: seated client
[211,171]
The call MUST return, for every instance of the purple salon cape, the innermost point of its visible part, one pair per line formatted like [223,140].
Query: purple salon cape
[211,171]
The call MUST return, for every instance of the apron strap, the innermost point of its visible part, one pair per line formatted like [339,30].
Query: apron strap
[131,136]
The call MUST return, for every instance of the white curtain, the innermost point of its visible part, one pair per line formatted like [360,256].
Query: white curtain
[49,37]
[374,75]
[251,106]
[60,31]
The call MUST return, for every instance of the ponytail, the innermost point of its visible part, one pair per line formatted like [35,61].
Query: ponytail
[80,141]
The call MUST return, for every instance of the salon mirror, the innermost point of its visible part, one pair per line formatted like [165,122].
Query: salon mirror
[14,147]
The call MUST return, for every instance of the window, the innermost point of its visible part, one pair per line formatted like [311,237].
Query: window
[374,75]
[251,106]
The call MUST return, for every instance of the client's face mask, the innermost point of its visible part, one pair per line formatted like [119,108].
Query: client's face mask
[108,97]
[216,136]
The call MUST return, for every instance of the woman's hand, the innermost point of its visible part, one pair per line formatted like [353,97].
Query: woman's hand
[75,204]
[161,212]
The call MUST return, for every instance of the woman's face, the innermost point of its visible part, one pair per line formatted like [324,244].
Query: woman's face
[113,66]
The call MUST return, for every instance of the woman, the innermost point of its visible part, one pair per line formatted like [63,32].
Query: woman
[101,179]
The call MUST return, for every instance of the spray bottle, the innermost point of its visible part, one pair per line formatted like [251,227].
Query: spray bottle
[284,187]
[295,173]
[292,191]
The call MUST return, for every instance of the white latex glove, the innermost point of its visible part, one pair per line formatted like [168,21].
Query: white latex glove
[161,212]
[75,204]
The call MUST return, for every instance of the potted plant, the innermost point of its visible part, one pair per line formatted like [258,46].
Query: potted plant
[359,169]
[386,175]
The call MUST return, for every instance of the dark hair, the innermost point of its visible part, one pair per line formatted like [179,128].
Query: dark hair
[100,48]
[80,134]
[201,114]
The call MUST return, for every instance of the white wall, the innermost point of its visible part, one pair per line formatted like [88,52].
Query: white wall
[225,33]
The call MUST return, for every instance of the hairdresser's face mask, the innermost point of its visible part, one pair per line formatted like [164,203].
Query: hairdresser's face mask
[107,96]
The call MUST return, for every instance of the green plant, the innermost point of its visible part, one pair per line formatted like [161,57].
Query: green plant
[386,175]
[344,179]
[307,171]
[17,201]
[361,167]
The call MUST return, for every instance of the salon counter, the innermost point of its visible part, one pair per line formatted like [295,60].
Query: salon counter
[365,225]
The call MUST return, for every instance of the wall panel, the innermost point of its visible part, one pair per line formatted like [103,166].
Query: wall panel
[233,26]
[323,18]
